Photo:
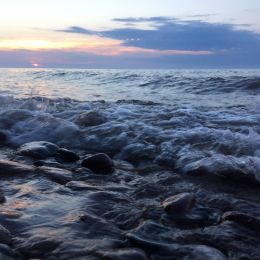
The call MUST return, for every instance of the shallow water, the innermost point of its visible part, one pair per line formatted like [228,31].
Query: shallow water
[167,131]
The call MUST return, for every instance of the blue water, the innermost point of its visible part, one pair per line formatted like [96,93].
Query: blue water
[197,87]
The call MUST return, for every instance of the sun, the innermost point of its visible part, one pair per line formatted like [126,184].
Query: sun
[35,65]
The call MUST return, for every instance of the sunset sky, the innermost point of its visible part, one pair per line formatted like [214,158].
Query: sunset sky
[130,33]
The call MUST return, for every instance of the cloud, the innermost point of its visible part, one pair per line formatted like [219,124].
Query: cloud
[164,42]
[77,29]
[168,33]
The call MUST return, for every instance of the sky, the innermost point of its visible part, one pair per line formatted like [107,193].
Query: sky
[130,33]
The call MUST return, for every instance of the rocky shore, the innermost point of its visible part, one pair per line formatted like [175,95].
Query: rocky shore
[60,204]
[128,180]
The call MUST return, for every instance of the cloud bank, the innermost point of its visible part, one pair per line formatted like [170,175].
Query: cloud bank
[155,42]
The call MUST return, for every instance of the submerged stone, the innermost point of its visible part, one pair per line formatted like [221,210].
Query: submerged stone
[243,219]
[38,150]
[3,137]
[99,163]
[10,168]
[179,203]
[6,253]
[58,175]
[124,254]
[67,155]
[91,118]
[2,197]
[5,236]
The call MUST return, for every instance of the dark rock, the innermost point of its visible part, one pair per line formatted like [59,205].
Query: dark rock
[243,219]
[9,168]
[38,247]
[3,137]
[5,236]
[39,163]
[58,175]
[6,253]
[137,152]
[91,118]
[160,250]
[67,155]
[38,150]
[99,163]
[96,227]
[124,254]
[197,218]
[2,197]
[179,203]
[224,166]
[115,207]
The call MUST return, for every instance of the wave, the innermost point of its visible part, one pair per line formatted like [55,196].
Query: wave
[135,131]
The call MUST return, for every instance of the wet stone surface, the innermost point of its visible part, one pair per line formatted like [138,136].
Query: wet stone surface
[133,181]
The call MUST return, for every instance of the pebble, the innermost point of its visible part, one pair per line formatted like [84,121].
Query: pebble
[179,203]
[99,163]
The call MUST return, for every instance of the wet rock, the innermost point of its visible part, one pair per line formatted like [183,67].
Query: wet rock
[5,236]
[96,227]
[2,197]
[162,250]
[99,163]
[67,155]
[38,150]
[79,186]
[239,170]
[5,257]
[124,254]
[243,219]
[48,163]
[58,175]
[114,207]
[6,253]
[91,118]
[10,168]
[38,247]
[196,218]
[234,240]
[38,163]
[179,203]
[137,152]
[3,137]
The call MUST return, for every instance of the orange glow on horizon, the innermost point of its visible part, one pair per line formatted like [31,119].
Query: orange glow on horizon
[91,45]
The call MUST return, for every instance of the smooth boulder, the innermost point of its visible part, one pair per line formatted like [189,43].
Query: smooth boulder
[38,150]
[179,203]
[98,163]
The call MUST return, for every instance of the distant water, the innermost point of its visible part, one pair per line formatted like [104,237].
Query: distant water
[197,87]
